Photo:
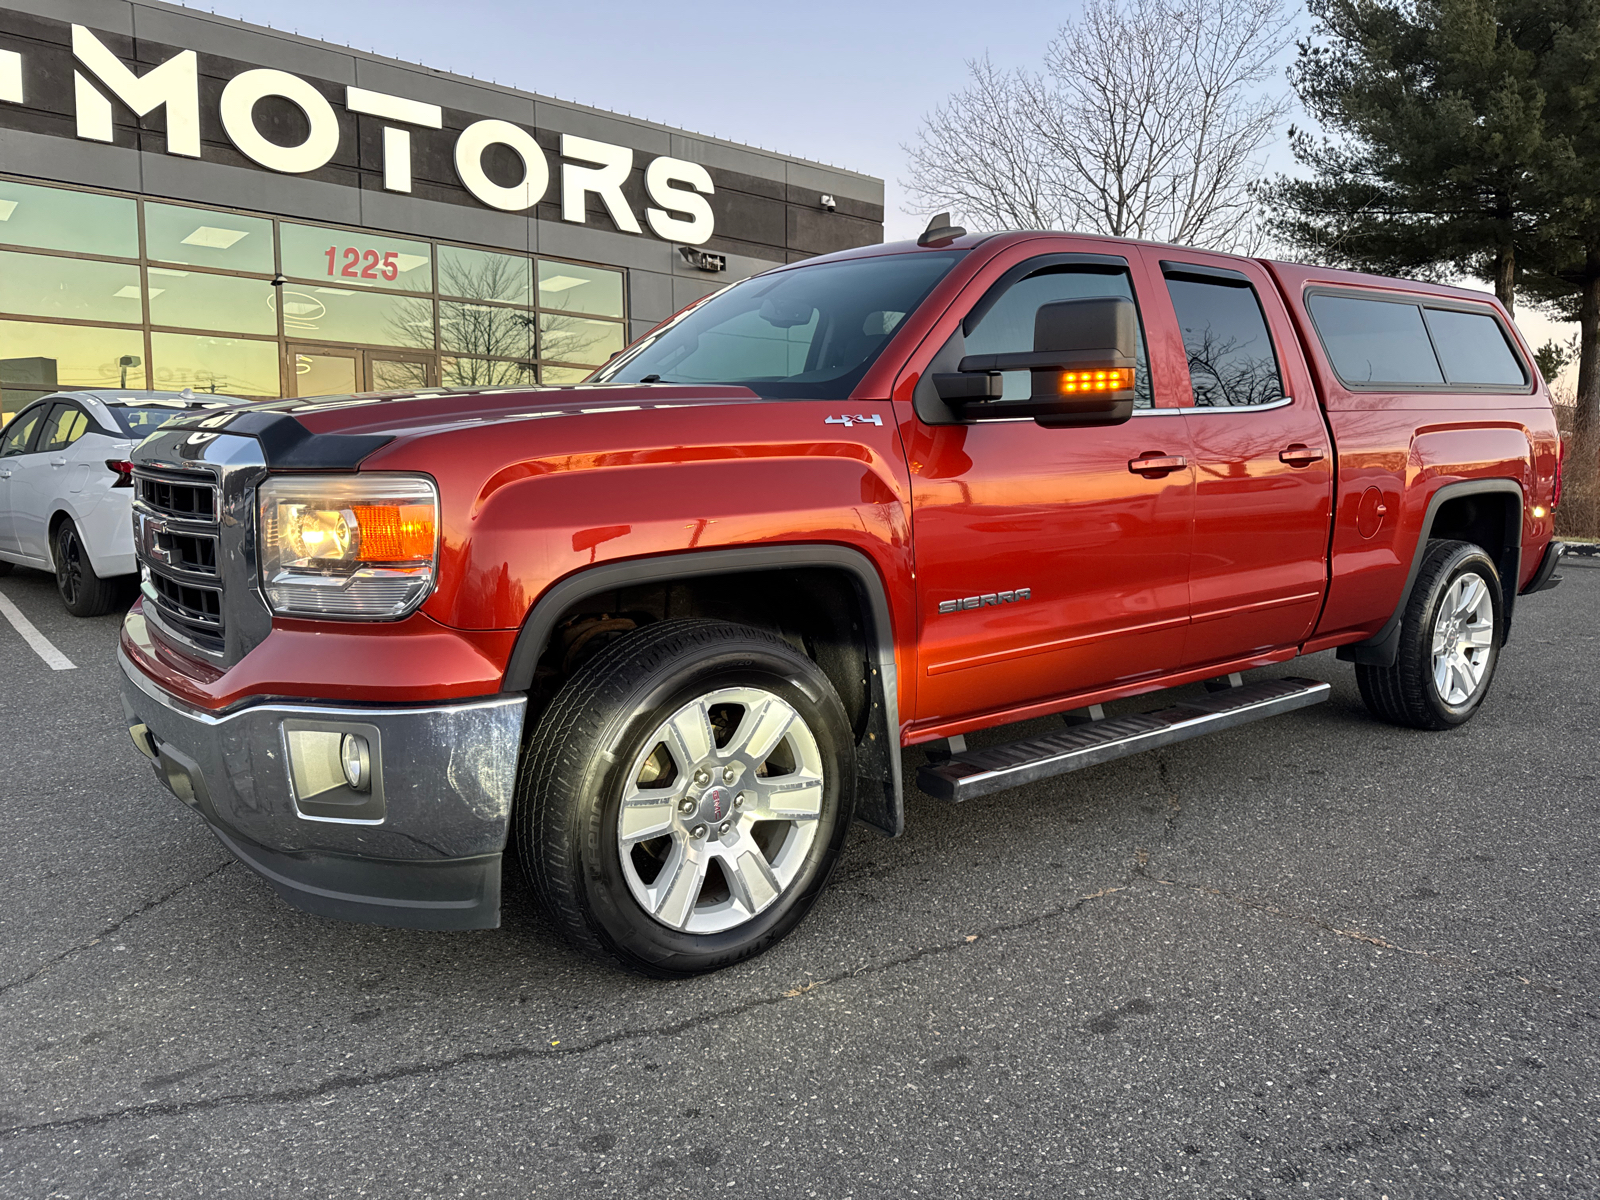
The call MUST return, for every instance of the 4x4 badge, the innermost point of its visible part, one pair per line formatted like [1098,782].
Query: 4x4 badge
[857,419]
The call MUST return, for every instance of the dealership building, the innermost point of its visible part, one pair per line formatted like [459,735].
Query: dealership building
[192,201]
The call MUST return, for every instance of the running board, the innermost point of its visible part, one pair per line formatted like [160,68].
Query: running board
[973,773]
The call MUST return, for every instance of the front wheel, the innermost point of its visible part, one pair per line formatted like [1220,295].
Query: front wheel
[1450,638]
[685,797]
[83,592]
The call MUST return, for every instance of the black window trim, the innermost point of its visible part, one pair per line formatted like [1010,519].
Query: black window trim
[90,424]
[1423,301]
[43,404]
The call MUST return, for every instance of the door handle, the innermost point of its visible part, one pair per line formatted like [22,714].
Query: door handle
[5,474]
[1153,466]
[58,462]
[1298,455]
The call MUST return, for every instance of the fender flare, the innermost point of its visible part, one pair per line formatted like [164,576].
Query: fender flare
[1383,647]
[880,797]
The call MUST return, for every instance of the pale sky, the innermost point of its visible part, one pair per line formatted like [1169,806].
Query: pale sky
[844,83]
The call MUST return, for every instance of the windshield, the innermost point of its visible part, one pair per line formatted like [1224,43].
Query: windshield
[809,332]
[137,421]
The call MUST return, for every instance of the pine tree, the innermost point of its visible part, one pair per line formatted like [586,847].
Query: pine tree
[1444,138]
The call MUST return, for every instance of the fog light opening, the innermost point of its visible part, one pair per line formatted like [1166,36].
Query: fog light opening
[356,758]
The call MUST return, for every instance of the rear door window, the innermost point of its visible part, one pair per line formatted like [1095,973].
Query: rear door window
[66,425]
[1473,348]
[1231,360]
[1375,341]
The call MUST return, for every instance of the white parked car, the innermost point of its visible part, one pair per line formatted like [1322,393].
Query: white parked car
[66,487]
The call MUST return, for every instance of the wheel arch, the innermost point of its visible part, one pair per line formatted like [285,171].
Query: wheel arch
[1486,512]
[873,698]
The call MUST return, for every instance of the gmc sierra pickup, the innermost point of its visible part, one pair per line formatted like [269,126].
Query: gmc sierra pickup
[667,632]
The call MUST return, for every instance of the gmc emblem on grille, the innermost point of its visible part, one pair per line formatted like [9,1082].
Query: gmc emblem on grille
[986,600]
[151,539]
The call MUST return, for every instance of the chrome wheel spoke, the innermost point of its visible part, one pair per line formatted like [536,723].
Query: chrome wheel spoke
[678,886]
[796,797]
[758,734]
[646,815]
[688,736]
[1480,635]
[750,876]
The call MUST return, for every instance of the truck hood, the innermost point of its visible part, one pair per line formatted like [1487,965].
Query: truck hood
[397,414]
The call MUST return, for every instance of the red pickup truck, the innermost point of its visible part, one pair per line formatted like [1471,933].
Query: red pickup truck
[668,631]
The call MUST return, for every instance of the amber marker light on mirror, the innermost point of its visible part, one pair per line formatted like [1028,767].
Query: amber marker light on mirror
[1096,379]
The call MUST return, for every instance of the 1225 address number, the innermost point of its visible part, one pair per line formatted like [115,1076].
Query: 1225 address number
[362,264]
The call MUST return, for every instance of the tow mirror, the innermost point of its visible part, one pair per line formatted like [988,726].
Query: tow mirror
[1082,366]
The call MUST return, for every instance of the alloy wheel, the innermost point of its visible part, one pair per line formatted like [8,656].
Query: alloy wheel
[69,564]
[720,810]
[1463,639]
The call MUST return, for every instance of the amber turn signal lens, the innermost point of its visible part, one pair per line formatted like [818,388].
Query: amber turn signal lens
[395,533]
[1097,379]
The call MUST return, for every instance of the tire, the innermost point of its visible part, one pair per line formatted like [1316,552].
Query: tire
[1450,637]
[83,592]
[644,718]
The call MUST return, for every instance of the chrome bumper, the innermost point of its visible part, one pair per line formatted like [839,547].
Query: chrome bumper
[421,849]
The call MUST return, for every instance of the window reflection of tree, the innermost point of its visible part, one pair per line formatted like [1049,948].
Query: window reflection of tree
[576,339]
[476,332]
[1224,374]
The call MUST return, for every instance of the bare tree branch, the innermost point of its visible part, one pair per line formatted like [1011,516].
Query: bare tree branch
[1149,121]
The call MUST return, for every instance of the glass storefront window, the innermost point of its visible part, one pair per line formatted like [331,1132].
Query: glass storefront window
[556,376]
[325,374]
[483,372]
[590,290]
[480,275]
[324,314]
[198,238]
[36,359]
[398,374]
[219,365]
[41,285]
[194,300]
[484,330]
[57,219]
[575,340]
[352,260]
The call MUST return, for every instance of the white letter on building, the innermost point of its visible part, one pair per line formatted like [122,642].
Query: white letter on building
[239,101]
[696,229]
[605,180]
[396,142]
[175,83]
[11,76]
[478,137]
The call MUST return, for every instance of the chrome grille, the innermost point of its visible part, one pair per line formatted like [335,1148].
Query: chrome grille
[185,499]
[177,538]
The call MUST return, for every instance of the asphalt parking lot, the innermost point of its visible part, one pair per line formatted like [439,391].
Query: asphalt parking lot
[1314,956]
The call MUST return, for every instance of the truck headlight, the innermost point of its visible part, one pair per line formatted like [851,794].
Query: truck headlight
[363,547]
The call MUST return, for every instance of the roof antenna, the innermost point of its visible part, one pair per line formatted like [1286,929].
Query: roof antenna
[940,232]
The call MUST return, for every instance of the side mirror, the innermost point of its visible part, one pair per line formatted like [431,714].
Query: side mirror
[1082,364]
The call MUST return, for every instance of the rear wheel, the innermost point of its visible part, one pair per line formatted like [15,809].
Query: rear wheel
[1450,638]
[83,592]
[685,797]
[5,567]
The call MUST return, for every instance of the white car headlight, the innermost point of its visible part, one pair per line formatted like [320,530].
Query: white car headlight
[363,547]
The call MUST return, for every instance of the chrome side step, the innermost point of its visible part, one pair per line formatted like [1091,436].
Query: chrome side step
[969,774]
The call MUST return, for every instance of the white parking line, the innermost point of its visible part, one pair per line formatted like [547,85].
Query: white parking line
[53,658]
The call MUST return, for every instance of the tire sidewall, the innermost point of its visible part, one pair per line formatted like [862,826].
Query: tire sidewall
[1464,560]
[612,910]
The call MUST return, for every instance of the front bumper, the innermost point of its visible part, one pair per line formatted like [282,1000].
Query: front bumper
[421,850]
